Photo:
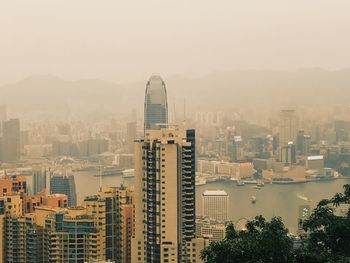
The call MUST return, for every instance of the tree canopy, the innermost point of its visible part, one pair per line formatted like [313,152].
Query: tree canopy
[326,238]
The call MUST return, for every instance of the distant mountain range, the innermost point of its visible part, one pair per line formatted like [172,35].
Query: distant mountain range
[237,88]
[44,92]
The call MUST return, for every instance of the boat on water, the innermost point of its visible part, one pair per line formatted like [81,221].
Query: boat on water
[253,199]
[200,182]
[240,183]
[250,181]
[260,184]
[257,187]
[212,179]
[302,197]
[285,181]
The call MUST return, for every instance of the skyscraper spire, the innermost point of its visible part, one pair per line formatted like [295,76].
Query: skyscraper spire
[184,121]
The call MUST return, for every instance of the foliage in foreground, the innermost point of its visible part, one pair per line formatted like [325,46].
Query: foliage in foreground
[327,238]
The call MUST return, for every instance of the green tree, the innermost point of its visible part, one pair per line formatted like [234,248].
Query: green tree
[263,241]
[328,231]
[327,238]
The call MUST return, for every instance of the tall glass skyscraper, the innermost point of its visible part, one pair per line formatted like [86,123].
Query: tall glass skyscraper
[11,149]
[64,184]
[156,105]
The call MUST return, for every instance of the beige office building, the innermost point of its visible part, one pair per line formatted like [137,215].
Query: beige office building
[288,127]
[211,229]
[215,204]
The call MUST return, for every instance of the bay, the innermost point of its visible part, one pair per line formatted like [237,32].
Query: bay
[271,200]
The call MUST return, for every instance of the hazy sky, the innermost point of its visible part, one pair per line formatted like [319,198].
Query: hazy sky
[128,40]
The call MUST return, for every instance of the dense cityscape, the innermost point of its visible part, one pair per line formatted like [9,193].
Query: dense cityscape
[151,211]
[167,131]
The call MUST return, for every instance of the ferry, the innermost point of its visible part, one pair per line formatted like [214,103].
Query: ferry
[253,200]
[304,198]
[287,181]
[200,182]
[240,183]
[260,184]
[250,181]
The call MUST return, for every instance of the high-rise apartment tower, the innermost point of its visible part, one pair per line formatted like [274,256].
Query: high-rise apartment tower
[164,195]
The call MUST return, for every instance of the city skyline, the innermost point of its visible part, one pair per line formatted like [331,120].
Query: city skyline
[169,200]
[168,131]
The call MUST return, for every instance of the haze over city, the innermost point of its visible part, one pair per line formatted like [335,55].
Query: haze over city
[126,41]
[175,131]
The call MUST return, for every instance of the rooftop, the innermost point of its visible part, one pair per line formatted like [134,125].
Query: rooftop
[214,193]
[316,157]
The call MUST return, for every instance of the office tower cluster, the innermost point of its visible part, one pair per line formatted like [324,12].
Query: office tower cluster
[131,136]
[83,148]
[303,143]
[236,151]
[40,179]
[64,184]
[292,141]
[10,148]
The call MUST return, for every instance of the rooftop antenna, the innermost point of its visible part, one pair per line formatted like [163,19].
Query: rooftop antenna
[174,113]
[184,113]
